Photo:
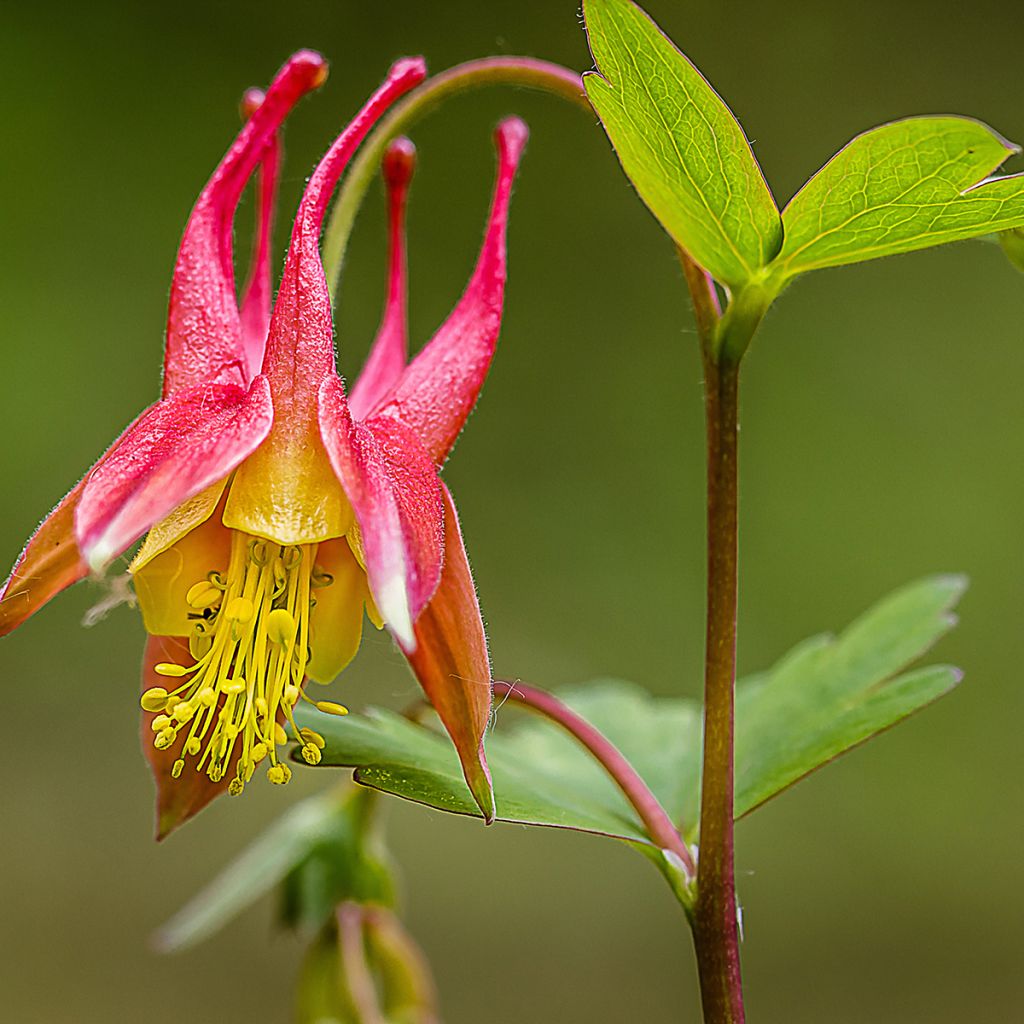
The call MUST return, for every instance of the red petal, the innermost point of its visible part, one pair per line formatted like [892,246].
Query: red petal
[173,451]
[300,349]
[204,333]
[396,496]
[390,350]
[177,800]
[50,562]
[439,388]
[257,293]
[451,661]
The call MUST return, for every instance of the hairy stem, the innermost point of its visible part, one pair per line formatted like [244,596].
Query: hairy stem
[655,818]
[522,71]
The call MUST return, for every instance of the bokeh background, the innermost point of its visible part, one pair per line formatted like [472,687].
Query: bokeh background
[883,439]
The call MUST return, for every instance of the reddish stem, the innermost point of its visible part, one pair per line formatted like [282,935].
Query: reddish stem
[656,820]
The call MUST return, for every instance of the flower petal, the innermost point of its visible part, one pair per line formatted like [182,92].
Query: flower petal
[176,449]
[50,562]
[390,349]
[285,491]
[258,290]
[396,496]
[204,332]
[439,388]
[452,664]
[179,799]
[300,349]
[163,583]
[336,622]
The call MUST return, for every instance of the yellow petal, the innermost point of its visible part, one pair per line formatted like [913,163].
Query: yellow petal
[336,623]
[182,520]
[164,581]
[286,491]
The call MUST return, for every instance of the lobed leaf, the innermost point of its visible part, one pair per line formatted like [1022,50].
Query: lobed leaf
[679,144]
[825,697]
[904,186]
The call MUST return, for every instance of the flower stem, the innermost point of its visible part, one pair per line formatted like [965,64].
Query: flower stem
[655,818]
[716,933]
[522,71]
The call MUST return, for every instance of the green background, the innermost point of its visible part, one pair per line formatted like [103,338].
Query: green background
[882,440]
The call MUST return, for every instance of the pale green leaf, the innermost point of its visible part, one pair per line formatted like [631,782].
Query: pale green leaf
[905,186]
[827,696]
[679,144]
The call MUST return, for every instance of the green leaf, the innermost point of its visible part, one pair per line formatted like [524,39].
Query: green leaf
[825,697]
[679,144]
[319,851]
[905,186]
[1013,245]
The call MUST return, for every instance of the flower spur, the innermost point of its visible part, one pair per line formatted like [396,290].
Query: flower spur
[278,508]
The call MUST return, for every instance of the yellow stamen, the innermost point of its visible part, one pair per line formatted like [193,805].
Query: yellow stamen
[154,699]
[328,707]
[250,647]
[166,668]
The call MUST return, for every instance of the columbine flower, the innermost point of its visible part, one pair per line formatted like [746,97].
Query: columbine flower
[277,507]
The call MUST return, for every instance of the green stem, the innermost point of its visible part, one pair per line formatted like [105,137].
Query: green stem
[523,71]
[716,934]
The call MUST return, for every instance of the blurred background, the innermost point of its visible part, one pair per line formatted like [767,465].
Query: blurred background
[883,439]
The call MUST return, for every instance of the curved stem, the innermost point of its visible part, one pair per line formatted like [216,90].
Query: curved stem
[523,71]
[655,818]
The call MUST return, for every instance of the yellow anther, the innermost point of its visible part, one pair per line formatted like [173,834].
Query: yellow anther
[159,723]
[281,627]
[328,707]
[235,787]
[154,699]
[216,773]
[311,753]
[231,730]
[276,774]
[280,736]
[183,711]
[177,768]
[164,738]
[290,695]
[199,645]
[239,609]
[311,736]
[168,668]
[202,595]
[207,696]
[236,685]
[261,706]
[193,746]
[258,752]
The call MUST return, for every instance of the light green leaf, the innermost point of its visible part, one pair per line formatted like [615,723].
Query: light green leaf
[679,144]
[318,849]
[824,698]
[905,186]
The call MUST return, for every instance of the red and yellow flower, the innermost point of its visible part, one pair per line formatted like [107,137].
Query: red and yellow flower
[276,508]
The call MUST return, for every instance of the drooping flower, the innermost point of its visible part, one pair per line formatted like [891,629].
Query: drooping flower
[275,507]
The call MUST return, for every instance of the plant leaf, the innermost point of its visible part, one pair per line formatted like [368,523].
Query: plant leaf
[904,186]
[318,849]
[679,144]
[825,697]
